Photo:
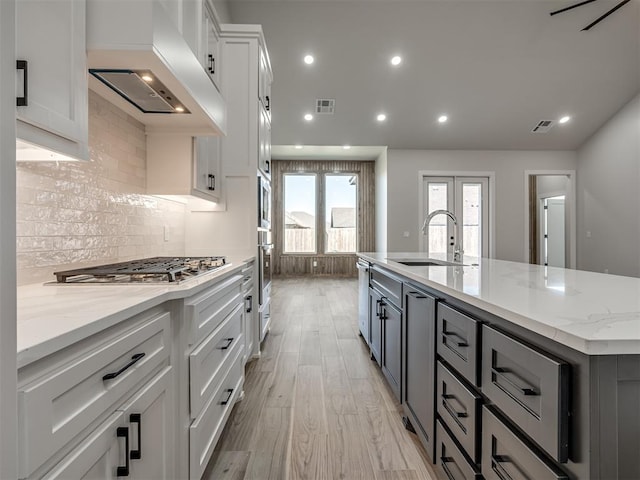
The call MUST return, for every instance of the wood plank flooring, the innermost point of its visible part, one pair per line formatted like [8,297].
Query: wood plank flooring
[316,406]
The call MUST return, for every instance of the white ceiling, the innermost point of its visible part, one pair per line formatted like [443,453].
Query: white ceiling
[494,67]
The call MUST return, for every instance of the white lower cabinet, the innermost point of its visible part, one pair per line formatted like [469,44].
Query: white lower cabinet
[146,399]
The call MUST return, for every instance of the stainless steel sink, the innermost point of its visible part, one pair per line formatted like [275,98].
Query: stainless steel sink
[428,263]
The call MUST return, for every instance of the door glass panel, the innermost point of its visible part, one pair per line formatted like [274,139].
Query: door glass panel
[438,200]
[299,213]
[340,213]
[471,219]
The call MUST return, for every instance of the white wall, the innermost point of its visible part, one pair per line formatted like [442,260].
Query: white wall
[381,202]
[222,10]
[609,195]
[552,185]
[509,167]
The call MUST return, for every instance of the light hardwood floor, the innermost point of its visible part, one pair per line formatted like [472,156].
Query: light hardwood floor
[316,406]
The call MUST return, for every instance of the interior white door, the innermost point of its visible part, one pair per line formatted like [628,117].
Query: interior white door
[554,232]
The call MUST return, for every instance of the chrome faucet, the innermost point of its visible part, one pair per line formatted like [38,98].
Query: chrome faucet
[457,251]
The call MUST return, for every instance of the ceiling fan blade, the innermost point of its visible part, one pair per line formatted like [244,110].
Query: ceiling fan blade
[571,7]
[599,19]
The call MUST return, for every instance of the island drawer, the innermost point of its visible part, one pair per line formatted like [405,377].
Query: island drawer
[505,455]
[210,360]
[387,284]
[529,386]
[205,310]
[457,341]
[450,459]
[459,409]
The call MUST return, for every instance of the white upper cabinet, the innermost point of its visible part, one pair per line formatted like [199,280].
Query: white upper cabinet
[264,85]
[52,108]
[210,56]
[187,168]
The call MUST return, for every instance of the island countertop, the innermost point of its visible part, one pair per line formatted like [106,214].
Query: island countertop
[593,313]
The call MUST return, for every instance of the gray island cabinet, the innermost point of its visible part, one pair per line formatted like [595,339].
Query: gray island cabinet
[503,377]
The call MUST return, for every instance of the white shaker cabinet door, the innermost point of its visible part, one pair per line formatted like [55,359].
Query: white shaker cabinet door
[50,38]
[149,416]
[98,456]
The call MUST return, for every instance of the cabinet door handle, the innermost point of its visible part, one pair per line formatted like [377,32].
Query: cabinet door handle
[496,466]
[229,394]
[212,64]
[136,358]
[267,166]
[23,101]
[249,301]
[212,182]
[502,373]
[137,418]
[460,343]
[449,408]
[445,467]
[123,471]
[378,307]
[229,342]
[268,105]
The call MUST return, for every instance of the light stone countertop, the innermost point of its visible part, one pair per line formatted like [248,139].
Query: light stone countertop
[593,313]
[53,317]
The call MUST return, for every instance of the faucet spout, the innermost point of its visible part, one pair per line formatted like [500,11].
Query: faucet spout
[457,251]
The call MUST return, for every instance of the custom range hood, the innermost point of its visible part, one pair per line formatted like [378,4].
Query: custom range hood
[138,60]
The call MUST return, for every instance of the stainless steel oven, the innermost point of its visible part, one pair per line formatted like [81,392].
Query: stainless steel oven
[265,247]
[264,202]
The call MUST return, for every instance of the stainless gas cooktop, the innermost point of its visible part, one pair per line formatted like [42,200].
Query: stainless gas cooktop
[156,270]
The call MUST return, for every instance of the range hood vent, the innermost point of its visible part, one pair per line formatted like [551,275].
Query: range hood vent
[139,61]
[141,89]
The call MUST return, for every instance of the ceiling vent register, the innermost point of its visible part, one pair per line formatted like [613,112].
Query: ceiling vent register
[325,106]
[543,126]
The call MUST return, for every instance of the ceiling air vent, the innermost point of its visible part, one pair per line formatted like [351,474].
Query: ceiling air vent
[543,126]
[325,106]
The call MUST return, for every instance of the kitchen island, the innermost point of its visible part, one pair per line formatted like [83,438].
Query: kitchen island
[508,369]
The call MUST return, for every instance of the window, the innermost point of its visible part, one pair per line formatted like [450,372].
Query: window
[467,199]
[333,212]
[340,213]
[300,213]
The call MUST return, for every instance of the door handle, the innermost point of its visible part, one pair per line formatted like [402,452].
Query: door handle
[212,182]
[229,342]
[137,418]
[123,471]
[229,394]
[249,301]
[23,101]
[268,105]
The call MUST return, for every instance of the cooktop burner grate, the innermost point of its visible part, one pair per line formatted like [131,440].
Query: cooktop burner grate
[146,270]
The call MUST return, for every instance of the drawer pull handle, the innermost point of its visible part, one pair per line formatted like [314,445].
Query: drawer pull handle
[496,466]
[449,407]
[460,343]
[416,295]
[136,358]
[229,342]
[501,373]
[137,418]
[249,306]
[123,471]
[229,394]
[445,467]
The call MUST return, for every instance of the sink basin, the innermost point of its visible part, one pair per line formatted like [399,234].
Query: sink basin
[428,263]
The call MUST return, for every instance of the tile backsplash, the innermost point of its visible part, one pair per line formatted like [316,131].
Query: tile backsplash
[72,214]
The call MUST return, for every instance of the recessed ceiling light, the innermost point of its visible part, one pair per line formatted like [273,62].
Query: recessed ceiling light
[381,117]
[147,78]
[308,59]
[395,61]
[443,119]
[564,119]
[179,109]
[346,147]
[308,117]
[298,147]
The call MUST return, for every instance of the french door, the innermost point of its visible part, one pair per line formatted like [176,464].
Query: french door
[468,199]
